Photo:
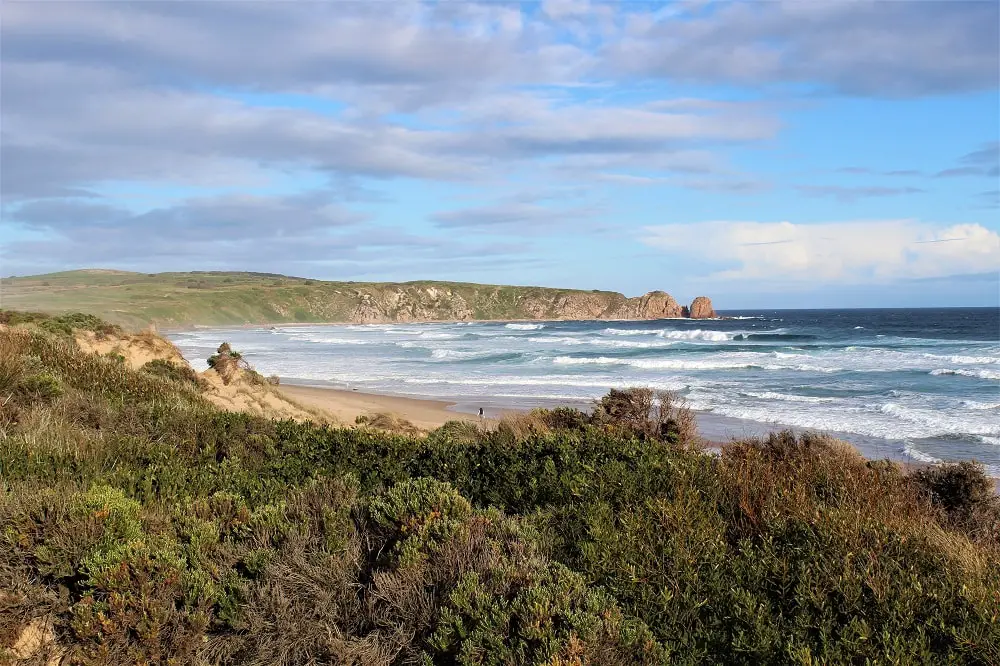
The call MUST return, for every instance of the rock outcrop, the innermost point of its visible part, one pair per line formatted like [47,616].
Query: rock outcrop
[701,308]
[405,304]
[654,305]
[409,304]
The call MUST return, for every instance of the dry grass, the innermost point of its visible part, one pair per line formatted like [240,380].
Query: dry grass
[388,422]
[521,425]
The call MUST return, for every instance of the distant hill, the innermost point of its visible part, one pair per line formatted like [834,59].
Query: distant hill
[225,298]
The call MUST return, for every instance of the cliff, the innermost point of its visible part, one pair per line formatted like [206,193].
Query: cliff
[219,298]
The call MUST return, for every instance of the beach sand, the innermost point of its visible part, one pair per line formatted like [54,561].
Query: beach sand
[348,405]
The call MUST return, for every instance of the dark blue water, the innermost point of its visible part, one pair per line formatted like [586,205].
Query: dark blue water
[922,384]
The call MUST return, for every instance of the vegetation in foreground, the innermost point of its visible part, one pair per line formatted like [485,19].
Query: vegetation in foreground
[139,524]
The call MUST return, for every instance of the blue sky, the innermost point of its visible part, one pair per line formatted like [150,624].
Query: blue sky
[799,154]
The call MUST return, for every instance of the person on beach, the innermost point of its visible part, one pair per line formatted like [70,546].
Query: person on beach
[480,413]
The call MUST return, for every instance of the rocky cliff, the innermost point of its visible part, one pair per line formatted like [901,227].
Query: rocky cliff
[404,303]
[225,298]
[701,308]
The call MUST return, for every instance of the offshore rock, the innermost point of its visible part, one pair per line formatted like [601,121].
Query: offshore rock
[701,308]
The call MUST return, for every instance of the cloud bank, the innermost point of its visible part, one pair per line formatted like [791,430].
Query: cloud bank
[833,252]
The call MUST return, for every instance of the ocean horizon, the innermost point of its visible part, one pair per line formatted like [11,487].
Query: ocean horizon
[916,384]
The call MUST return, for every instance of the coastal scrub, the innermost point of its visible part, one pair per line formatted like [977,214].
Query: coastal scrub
[141,524]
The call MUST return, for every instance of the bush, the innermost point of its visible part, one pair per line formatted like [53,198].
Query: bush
[957,488]
[172,371]
[650,414]
[563,418]
[42,387]
[228,363]
[965,494]
[60,324]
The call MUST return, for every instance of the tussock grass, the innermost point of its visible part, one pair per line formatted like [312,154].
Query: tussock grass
[387,422]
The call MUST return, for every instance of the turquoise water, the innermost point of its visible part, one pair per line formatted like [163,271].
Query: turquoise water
[921,384]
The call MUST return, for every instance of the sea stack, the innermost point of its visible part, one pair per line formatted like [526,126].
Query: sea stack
[701,308]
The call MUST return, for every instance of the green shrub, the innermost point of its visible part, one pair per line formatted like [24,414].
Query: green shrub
[564,418]
[60,324]
[42,387]
[957,488]
[172,371]
[425,512]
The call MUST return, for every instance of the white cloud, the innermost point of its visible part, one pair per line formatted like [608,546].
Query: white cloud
[844,252]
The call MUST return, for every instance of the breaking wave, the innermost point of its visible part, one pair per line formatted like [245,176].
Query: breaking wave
[964,372]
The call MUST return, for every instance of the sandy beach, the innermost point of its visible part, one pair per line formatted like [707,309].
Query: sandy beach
[348,405]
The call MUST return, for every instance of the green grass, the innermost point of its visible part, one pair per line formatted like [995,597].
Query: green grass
[149,527]
[223,298]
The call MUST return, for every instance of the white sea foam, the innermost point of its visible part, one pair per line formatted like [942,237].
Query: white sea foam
[979,406]
[434,335]
[784,397]
[731,363]
[456,354]
[977,373]
[551,339]
[525,327]
[693,334]
[632,331]
[599,385]
[917,454]
[697,334]
[326,340]
[937,422]
[965,359]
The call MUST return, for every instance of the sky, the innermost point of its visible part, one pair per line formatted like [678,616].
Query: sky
[768,154]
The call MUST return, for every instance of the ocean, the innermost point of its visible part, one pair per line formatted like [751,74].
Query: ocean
[913,384]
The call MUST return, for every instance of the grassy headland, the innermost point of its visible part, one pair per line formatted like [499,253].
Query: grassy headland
[225,298]
[141,524]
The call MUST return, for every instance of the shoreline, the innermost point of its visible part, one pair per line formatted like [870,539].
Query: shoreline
[347,404]
[286,324]
[430,413]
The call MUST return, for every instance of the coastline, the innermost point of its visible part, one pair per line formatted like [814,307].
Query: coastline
[443,374]
[429,413]
[182,328]
[346,405]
